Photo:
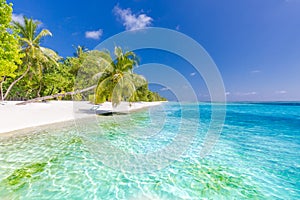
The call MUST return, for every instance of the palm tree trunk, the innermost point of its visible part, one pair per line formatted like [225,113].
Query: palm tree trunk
[57,95]
[1,88]
[15,81]
[40,77]
[39,91]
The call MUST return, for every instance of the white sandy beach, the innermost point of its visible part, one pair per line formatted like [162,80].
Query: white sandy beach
[15,117]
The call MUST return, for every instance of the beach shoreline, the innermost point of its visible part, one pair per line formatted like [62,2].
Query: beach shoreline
[29,117]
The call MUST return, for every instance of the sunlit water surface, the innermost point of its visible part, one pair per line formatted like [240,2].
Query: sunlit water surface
[256,157]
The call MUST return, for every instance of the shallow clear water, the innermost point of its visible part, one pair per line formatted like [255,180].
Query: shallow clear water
[256,156]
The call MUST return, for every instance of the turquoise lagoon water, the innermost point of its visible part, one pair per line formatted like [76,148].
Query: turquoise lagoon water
[256,156]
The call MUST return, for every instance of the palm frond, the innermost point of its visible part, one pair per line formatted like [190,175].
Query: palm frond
[43,33]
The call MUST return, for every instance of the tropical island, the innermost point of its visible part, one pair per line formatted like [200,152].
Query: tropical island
[55,142]
[32,73]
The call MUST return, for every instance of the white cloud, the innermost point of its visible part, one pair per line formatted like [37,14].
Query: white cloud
[94,34]
[132,21]
[227,93]
[18,18]
[281,92]
[177,27]
[255,71]
[193,74]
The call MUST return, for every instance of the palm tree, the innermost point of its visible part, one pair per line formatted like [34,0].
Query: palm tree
[118,82]
[76,62]
[80,49]
[35,55]
[113,79]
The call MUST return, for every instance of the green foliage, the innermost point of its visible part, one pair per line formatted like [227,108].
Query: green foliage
[85,68]
[57,79]
[5,12]
[31,71]
[37,62]
[74,63]
[144,94]
[10,55]
[36,57]
[118,82]
[90,68]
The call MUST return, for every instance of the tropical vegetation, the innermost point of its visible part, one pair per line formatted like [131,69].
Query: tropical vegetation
[10,51]
[29,71]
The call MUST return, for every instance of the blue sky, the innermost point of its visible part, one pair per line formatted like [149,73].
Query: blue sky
[254,43]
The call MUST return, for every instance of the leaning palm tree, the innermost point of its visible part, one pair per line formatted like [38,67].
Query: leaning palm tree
[118,82]
[113,79]
[35,55]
